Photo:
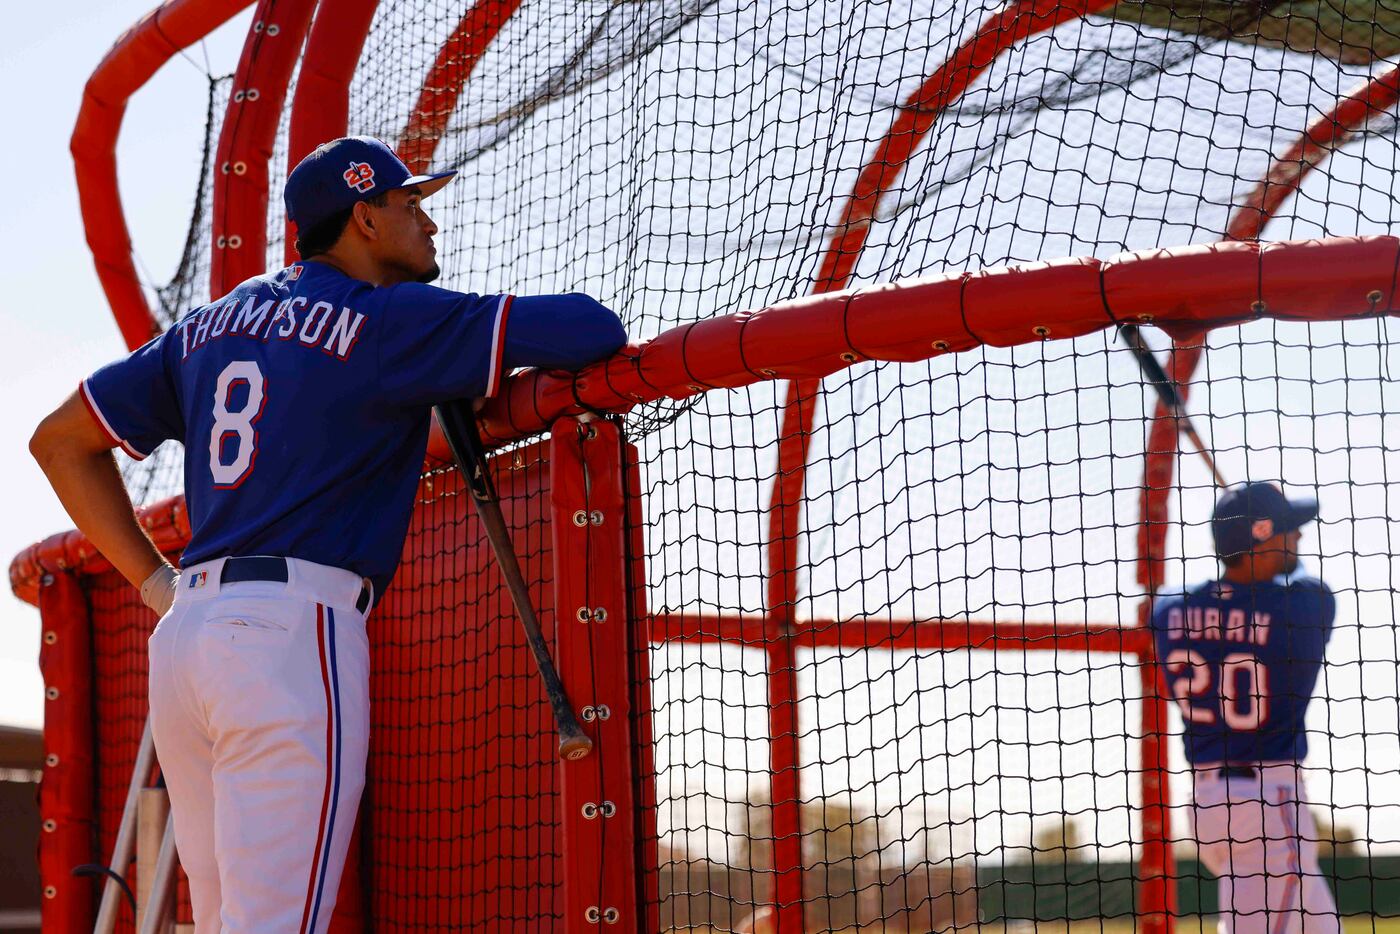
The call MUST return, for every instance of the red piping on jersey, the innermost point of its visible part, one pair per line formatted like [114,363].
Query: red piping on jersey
[105,425]
[498,346]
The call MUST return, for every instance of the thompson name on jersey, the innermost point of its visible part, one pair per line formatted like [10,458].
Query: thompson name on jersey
[309,393]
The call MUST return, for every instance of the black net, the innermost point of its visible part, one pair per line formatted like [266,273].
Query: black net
[160,475]
[952,760]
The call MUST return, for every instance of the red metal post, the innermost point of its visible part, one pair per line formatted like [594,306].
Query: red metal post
[639,677]
[1157,888]
[784,777]
[785,784]
[455,62]
[1328,133]
[592,633]
[1157,900]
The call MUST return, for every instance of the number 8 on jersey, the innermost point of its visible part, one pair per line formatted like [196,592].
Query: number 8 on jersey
[233,442]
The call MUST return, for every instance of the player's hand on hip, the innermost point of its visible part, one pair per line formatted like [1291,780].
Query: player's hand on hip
[158,591]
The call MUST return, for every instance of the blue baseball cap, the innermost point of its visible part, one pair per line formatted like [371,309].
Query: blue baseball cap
[344,171]
[1251,513]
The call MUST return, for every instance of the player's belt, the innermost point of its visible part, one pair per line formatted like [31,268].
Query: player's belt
[264,568]
[1238,771]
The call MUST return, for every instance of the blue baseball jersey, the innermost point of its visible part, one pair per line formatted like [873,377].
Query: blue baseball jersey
[303,399]
[1241,662]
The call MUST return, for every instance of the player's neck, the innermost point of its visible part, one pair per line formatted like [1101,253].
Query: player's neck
[362,266]
[1249,572]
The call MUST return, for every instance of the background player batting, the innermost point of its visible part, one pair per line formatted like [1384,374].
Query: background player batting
[1241,657]
[303,401]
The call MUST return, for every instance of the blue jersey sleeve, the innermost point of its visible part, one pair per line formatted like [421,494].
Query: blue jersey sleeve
[136,400]
[1161,607]
[561,332]
[441,345]
[1311,608]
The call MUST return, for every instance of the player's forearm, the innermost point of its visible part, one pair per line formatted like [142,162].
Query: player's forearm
[565,332]
[90,488]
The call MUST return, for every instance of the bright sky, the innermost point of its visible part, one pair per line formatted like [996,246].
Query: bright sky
[55,326]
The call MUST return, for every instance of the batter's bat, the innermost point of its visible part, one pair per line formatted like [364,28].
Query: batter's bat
[1166,391]
[459,426]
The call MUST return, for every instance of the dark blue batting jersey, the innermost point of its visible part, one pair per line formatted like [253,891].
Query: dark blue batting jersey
[303,399]
[1241,662]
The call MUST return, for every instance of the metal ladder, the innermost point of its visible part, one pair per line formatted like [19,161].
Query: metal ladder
[156,885]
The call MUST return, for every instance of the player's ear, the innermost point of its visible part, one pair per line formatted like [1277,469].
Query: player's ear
[363,219]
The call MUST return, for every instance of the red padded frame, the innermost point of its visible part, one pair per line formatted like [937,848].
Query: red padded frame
[137,56]
[588,521]
[907,321]
[66,795]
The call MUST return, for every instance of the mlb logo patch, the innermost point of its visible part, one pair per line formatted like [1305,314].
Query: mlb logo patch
[199,580]
[360,176]
[295,274]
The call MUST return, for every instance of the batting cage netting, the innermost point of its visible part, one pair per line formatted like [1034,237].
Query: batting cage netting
[881,635]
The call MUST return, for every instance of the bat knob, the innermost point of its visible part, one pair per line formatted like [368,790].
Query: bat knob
[572,748]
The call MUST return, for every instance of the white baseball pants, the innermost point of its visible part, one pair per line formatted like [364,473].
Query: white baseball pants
[259,695]
[1259,839]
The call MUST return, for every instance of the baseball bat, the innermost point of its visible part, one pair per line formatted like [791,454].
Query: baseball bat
[459,427]
[1167,393]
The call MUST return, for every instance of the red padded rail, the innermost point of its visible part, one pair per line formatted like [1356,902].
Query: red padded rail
[1315,280]
[1182,290]
[166,522]
[135,57]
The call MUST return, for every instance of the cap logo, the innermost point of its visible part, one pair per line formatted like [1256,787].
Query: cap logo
[360,176]
[1263,529]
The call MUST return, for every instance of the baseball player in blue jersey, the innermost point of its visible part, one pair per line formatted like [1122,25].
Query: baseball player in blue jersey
[303,399]
[1240,656]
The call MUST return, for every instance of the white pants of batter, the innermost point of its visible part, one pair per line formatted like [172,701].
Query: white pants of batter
[259,696]
[1259,839]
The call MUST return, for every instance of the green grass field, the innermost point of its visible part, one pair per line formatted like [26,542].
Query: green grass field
[1356,924]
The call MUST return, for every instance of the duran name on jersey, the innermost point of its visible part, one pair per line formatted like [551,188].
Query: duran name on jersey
[1241,662]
